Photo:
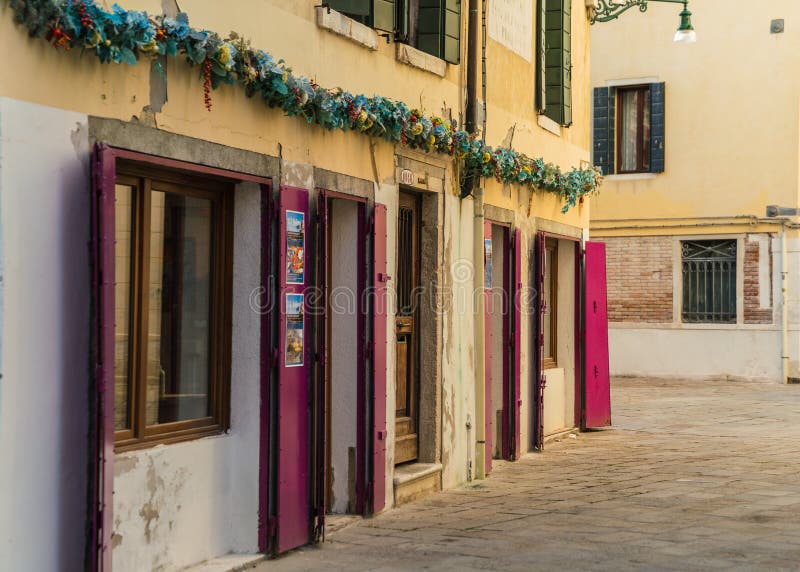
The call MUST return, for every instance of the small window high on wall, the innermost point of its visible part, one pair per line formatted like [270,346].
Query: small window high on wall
[433,26]
[629,128]
[554,60]
[172,324]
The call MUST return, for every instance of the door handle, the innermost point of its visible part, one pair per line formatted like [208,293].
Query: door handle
[383,277]
[596,371]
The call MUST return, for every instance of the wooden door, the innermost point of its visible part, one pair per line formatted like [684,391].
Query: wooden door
[407,326]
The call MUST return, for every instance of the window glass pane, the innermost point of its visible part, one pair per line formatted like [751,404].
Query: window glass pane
[123,235]
[547,319]
[629,132]
[645,94]
[179,316]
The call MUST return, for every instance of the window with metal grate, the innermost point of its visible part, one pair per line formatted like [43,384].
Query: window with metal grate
[709,281]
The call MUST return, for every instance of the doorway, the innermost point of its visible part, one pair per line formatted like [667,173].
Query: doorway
[344,378]
[498,341]
[407,330]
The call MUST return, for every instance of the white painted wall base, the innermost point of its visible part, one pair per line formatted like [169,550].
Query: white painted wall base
[696,353]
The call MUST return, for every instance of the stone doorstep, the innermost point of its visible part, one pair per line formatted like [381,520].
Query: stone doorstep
[415,481]
[558,436]
[228,563]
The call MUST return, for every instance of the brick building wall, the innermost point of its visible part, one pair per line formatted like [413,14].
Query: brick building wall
[639,278]
[754,313]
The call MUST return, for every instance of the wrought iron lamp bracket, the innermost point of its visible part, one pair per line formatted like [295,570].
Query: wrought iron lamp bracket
[607,10]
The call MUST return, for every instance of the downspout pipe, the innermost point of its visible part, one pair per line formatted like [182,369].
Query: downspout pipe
[471,119]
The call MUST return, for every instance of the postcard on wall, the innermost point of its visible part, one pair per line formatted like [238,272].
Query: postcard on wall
[294,330]
[487,256]
[295,247]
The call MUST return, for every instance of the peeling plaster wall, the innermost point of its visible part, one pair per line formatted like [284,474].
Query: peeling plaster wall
[178,504]
[44,389]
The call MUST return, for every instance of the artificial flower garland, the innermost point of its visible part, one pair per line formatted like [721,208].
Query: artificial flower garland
[123,36]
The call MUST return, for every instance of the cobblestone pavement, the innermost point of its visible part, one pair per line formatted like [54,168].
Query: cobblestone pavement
[693,476]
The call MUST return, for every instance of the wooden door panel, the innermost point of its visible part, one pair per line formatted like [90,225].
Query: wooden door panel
[407,334]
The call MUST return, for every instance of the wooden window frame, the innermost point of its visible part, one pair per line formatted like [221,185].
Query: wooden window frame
[640,141]
[551,361]
[145,179]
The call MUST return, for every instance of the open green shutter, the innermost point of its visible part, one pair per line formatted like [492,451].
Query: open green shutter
[657,127]
[359,8]
[383,15]
[558,60]
[429,31]
[439,31]
[602,154]
[452,31]
[541,51]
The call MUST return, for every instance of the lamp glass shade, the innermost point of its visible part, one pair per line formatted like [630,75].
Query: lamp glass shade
[685,36]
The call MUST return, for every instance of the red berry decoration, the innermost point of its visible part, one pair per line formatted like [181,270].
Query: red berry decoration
[207,84]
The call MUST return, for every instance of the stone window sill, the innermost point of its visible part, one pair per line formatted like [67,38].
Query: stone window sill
[417,58]
[341,25]
[549,125]
[631,177]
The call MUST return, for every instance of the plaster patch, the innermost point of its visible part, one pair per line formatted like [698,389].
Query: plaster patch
[124,465]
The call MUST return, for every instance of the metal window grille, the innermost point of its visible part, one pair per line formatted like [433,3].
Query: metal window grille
[709,281]
[405,260]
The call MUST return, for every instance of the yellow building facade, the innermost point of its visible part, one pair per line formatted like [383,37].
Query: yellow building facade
[702,278]
[221,217]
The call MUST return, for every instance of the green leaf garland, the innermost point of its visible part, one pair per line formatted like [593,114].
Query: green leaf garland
[123,36]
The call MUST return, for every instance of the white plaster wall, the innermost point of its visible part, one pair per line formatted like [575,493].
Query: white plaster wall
[559,393]
[458,326]
[342,348]
[499,294]
[45,226]
[176,505]
[696,353]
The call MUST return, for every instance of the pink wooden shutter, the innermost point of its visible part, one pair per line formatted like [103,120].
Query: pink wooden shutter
[103,237]
[488,263]
[266,364]
[379,320]
[517,339]
[293,503]
[597,384]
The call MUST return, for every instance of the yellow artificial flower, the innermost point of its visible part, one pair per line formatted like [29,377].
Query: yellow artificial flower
[416,129]
[225,54]
[486,157]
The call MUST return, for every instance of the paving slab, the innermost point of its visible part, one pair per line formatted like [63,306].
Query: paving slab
[694,475]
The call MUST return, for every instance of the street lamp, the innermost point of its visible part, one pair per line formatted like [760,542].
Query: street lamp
[607,10]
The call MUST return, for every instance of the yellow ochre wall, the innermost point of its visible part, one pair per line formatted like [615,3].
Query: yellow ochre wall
[287,29]
[731,109]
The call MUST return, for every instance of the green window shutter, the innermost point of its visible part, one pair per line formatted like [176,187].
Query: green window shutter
[452,31]
[429,31]
[602,129]
[558,60]
[357,9]
[657,127]
[383,15]
[439,30]
[541,51]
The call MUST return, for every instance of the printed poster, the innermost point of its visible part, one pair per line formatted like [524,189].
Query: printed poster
[295,247]
[487,257]
[294,330]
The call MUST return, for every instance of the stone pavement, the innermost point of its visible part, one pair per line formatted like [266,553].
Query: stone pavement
[693,476]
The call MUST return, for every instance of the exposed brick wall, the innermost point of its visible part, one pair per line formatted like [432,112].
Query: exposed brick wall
[753,312]
[639,278]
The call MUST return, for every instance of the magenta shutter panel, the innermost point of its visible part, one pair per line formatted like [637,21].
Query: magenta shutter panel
[266,364]
[539,380]
[379,321]
[517,341]
[293,503]
[488,264]
[103,238]
[597,384]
